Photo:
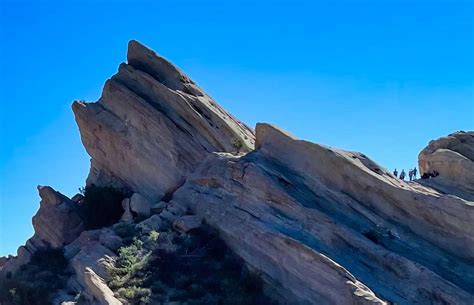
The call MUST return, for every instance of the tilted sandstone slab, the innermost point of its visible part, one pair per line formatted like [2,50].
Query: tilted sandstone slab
[333,227]
[152,126]
[322,226]
[57,223]
[58,220]
[452,159]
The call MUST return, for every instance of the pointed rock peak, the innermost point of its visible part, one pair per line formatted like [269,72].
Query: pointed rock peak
[268,133]
[49,195]
[146,60]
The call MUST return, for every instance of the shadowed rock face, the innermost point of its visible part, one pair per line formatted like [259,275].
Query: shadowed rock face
[153,126]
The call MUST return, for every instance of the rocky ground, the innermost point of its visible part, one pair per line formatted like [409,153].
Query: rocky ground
[184,204]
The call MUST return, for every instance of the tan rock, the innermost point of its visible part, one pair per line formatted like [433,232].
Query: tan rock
[140,205]
[333,227]
[127,212]
[99,290]
[58,221]
[151,111]
[451,158]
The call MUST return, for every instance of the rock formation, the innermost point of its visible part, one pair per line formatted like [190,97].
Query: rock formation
[451,159]
[320,225]
[151,111]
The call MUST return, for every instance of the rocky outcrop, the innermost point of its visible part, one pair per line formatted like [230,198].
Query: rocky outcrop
[320,225]
[333,226]
[330,226]
[451,161]
[152,126]
[90,255]
[58,221]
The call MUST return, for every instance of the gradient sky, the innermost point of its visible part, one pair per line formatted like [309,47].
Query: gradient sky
[381,77]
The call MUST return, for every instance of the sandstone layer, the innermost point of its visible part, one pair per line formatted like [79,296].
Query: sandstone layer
[152,126]
[320,225]
[451,160]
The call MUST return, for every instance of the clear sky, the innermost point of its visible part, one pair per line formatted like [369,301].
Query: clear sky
[381,77]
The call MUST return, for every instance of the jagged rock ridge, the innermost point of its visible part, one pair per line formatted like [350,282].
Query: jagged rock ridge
[321,225]
[151,111]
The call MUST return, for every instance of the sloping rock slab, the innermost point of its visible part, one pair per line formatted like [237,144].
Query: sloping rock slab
[151,111]
[333,227]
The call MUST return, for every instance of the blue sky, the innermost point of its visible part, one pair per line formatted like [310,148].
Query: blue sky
[381,77]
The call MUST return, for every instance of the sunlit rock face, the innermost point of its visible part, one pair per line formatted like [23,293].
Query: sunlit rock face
[334,226]
[451,160]
[153,125]
[320,225]
[327,225]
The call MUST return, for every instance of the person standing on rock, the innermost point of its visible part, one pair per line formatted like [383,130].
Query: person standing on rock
[414,173]
[395,173]
[402,174]
[410,174]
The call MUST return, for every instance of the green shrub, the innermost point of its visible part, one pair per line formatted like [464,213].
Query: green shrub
[128,275]
[153,235]
[195,269]
[237,143]
[135,294]
[36,281]
[102,206]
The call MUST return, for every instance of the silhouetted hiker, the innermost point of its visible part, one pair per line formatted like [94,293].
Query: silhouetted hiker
[410,174]
[402,174]
[414,173]
[395,173]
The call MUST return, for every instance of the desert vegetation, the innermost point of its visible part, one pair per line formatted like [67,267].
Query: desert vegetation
[36,281]
[195,268]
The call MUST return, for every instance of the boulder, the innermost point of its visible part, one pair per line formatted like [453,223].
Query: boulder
[154,223]
[98,289]
[127,212]
[451,160]
[58,220]
[150,110]
[157,208]
[187,223]
[102,237]
[175,208]
[140,205]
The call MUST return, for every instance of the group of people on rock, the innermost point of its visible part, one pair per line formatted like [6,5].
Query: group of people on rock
[411,174]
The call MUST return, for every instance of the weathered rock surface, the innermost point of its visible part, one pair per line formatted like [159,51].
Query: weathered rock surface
[98,289]
[140,205]
[153,126]
[187,223]
[330,226]
[58,221]
[321,225]
[89,257]
[451,157]
[154,223]
[127,212]
[333,226]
